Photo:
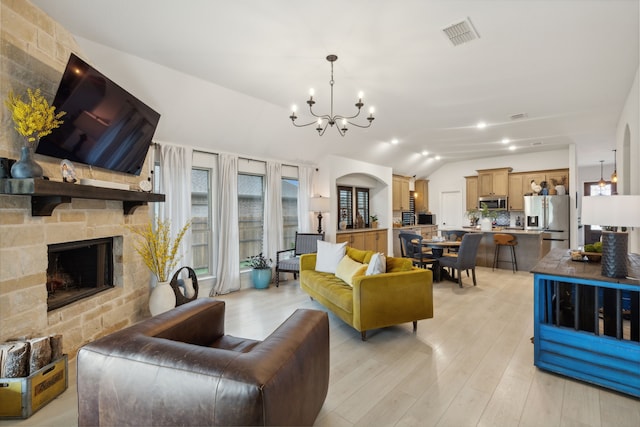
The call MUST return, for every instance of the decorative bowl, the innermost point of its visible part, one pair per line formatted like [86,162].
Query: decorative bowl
[593,256]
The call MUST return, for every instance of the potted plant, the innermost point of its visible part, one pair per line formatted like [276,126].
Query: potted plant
[488,216]
[374,221]
[261,274]
[159,253]
[33,120]
[474,216]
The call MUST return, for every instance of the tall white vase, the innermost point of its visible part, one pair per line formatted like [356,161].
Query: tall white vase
[485,224]
[162,298]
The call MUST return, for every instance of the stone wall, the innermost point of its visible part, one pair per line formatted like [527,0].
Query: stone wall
[34,50]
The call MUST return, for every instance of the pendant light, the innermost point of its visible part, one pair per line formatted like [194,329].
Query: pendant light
[602,182]
[614,175]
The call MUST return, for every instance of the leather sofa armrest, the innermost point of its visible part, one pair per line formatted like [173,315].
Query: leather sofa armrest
[288,371]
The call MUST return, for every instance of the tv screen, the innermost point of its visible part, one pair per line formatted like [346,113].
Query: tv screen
[104,125]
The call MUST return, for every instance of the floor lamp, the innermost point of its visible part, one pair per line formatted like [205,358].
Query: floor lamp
[612,212]
[319,204]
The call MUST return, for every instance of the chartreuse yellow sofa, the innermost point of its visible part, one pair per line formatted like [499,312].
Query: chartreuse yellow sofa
[402,294]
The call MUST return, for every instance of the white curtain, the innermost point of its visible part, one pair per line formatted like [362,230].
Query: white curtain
[175,183]
[305,191]
[228,268]
[273,228]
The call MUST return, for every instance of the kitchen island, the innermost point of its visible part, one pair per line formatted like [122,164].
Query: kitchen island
[530,249]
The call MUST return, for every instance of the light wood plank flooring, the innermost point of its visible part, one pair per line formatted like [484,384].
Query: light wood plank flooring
[471,365]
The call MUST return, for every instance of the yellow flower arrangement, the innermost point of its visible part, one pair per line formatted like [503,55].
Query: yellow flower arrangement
[156,247]
[35,118]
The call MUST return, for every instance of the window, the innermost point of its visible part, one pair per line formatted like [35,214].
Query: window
[250,215]
[346,210]
[201,229]
[289,211]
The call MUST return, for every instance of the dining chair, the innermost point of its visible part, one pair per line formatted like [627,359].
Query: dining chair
[411,247]
[288,260]
[465,258]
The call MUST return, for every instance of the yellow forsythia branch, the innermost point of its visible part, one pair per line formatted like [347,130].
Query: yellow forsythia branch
[35,118]
[156,248]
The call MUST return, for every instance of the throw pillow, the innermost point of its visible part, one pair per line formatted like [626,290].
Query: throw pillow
[377,265]
[329,255]
[348,268]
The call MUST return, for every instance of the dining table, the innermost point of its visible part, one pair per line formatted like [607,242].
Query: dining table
[437,249]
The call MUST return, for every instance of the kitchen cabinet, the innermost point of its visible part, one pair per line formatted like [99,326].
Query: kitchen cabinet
[516,195]
[400,193]
[493,182]
[472,192]
[421,195]
[370,239]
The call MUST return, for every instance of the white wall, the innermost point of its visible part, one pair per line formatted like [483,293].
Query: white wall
[630,166]
[333,168]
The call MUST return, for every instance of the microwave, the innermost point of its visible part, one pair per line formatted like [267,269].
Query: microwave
[495,203]
[429,219]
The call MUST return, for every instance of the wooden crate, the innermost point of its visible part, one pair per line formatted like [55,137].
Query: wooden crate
[21,397]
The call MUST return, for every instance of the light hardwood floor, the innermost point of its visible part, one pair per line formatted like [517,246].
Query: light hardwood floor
[471,365]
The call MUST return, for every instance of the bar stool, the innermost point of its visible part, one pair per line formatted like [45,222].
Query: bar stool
[500,240]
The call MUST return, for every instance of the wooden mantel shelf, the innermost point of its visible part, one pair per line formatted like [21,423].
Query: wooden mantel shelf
[47,195]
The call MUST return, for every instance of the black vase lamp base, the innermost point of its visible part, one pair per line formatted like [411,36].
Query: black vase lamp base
[614,254]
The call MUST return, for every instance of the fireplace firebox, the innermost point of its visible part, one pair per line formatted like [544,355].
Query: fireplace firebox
[77,270]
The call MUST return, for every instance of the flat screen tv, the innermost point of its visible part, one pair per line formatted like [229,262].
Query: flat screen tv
[104,125]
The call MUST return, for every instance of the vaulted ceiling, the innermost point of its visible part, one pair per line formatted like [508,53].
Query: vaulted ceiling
[542,74]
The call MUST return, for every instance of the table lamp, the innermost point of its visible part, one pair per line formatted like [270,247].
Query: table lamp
[612,211]
[319,204]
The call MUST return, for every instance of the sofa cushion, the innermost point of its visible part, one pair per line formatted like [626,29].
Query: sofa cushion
[348,268]
[329,287]
[398,264]
[359,255]
[329,255]
[377,265]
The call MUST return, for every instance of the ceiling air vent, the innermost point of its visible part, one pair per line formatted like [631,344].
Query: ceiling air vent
[461,32]
[519,116]
[536,143]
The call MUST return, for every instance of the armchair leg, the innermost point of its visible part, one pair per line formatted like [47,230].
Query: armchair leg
[415,326]
[363,335]
[277,278]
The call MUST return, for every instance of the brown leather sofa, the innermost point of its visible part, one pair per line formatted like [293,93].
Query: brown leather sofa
[179,368]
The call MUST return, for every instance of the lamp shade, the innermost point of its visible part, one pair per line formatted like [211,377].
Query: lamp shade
[319,204]
[614,211]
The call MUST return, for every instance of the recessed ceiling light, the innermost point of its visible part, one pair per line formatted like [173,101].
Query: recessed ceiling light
[481,125]
[438,157]
[506,140]
[394,141]
[425,153]
[512,147]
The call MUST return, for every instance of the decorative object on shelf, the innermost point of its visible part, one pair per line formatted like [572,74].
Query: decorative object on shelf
[536,188]
[5,167]
[331,118]
[612,212]
[261,274]
[26,167]
[159,253]
[145,185]
[68,171]
[374,221]
[33,120]
[319,204]
[474,216]
[343,219]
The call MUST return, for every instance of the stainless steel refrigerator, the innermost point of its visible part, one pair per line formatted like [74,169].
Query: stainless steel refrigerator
[551,214]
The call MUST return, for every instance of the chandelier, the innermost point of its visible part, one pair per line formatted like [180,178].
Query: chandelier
[325,120]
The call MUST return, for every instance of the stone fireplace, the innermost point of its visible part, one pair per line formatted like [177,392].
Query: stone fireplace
[34,50]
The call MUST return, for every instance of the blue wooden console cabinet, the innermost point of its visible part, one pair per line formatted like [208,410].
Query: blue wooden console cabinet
[582,328]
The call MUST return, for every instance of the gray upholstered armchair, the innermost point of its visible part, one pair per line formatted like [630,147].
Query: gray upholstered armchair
[288,260]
